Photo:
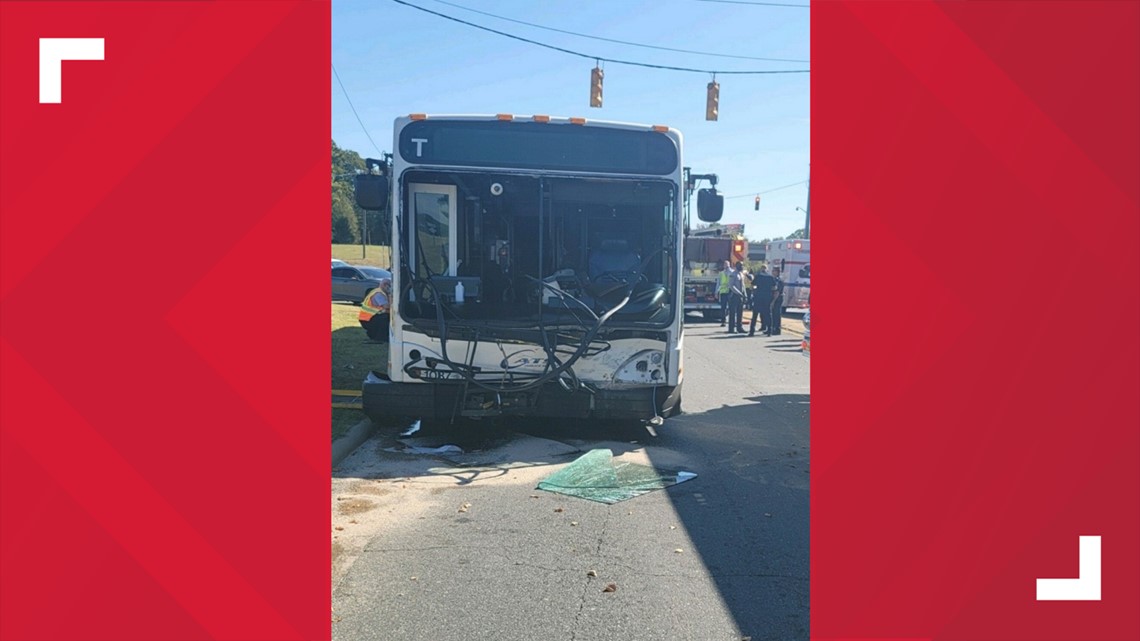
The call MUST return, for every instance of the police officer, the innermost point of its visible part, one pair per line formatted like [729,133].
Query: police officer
[763,284]
[777,304]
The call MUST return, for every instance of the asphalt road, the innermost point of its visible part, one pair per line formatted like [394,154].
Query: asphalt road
[457,547]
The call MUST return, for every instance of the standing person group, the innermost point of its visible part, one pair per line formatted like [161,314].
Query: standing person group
[767,302]
[761,292]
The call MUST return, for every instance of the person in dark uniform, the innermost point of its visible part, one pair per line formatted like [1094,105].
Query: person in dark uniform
[777,304]
[763,284]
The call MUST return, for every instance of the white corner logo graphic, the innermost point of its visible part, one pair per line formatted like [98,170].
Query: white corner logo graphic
[53,51]
[1086,587]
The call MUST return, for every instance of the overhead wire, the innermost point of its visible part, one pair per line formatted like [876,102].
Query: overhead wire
[614,40]
[337,75]
[593,57]
[766,191]
[762,4]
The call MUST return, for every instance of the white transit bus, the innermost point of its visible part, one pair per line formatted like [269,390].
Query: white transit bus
[535,267]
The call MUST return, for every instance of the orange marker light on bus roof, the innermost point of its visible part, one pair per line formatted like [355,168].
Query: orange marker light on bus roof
[577,121]
[539,118]
[418,116]
[661,128]
[505,117]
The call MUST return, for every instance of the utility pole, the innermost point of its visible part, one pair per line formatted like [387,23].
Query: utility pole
[807,212]
[364,235]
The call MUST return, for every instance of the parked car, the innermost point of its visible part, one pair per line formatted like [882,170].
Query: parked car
[353,282]
[338,263]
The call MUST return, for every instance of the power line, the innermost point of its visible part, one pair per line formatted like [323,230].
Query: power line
[762,4]
[598,58]
[767,191]
[623,42]
[337,75]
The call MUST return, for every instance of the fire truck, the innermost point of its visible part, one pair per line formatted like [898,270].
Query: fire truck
[705,253]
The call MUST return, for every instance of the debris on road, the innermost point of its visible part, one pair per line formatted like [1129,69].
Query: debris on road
[412,429]
[591,573]
[610,587]
[419,449]
[597,476]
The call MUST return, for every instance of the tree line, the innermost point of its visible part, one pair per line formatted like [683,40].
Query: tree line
[351,224]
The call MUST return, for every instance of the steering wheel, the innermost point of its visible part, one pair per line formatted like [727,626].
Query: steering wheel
[610,281]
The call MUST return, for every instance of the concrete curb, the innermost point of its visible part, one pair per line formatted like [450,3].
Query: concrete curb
[353,439]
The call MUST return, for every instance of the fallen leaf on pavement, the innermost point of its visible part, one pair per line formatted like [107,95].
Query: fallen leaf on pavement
[610,587]
[592,573]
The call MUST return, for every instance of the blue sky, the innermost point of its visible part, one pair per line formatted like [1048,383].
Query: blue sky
[395,60]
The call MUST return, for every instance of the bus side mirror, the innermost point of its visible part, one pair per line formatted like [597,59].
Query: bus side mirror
[371,191]
[710,205]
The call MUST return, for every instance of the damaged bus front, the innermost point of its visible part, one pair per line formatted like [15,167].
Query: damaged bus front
[535,269]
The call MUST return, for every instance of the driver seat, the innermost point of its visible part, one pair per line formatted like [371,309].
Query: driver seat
[613,256]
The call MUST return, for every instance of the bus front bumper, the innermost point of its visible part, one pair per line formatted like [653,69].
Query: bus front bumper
[384,399]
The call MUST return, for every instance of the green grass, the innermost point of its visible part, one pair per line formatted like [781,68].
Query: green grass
[353,355]
[375,255]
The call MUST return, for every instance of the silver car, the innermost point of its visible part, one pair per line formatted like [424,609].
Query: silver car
[353,282]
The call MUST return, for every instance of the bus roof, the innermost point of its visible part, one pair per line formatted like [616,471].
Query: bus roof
[557,120]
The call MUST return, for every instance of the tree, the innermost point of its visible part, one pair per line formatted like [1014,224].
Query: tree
[346,216]
[799,233]
[345,224]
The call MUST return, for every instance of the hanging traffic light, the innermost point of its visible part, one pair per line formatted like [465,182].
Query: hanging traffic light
[712,103]
[757,202]
[596,86]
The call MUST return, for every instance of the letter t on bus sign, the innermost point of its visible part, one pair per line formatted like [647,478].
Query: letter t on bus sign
[53,51]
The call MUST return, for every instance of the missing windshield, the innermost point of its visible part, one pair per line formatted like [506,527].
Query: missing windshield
[520,249]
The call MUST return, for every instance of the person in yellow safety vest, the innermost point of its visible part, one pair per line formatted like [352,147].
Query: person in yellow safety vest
[374,311]
[722,289]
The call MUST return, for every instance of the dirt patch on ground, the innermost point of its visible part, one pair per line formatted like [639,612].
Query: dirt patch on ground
[351,506]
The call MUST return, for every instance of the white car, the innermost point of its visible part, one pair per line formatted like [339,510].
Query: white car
[338,263]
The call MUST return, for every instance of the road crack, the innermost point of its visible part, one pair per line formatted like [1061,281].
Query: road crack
[586,584]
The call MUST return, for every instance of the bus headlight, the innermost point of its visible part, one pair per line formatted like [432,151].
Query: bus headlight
[646,367]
